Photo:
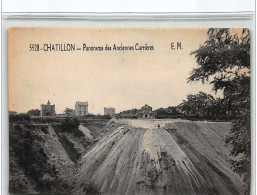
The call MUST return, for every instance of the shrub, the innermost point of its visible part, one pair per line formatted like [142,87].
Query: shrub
[19,117]
[69,124]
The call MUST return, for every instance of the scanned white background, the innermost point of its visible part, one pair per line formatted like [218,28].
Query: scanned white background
[116,6]
[128,6]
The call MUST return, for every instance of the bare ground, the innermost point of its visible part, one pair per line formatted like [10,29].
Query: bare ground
[180,157]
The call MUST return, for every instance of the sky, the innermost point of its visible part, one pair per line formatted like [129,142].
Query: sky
[119,79]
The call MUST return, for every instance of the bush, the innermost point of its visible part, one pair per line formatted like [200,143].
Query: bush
[29,155]
[19,117]
[90,188]
[45,119]
[69,124]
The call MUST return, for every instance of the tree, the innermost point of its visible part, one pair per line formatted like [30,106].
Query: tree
[224,62]
[34,112]
[69,112]
[204,105]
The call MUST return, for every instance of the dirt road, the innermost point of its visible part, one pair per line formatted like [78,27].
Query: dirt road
[180,157]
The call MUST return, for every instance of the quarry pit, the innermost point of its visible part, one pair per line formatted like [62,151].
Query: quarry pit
[150,156]
[124,156]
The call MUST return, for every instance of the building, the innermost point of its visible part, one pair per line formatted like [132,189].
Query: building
[47,109]
[12,113]
[146,112]
[69,112]
[81,108]
[109,111]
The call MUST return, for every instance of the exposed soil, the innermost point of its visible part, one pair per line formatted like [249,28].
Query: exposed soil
[180,157]
[164,157]
[44,156]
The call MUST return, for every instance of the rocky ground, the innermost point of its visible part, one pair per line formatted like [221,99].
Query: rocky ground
[121,157]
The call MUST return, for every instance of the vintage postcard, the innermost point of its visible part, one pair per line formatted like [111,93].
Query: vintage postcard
[129,111]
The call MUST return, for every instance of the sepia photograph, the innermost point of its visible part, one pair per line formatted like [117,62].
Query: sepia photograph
[133,111]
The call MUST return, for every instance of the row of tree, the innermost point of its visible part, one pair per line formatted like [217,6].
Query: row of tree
[199,106]
[205,106]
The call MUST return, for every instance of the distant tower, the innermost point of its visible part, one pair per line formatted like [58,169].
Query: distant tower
[109,111]
[47,109]
[81,108]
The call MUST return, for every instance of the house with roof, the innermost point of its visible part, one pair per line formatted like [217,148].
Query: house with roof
[146,112]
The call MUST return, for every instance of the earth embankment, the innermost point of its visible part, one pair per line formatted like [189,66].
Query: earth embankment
[44,154]
[179,157]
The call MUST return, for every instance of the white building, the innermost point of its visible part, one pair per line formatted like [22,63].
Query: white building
[109,111]
[81,108]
